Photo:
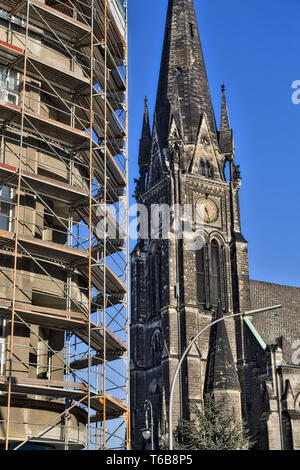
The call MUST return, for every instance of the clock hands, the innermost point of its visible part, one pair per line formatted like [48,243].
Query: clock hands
[208,216]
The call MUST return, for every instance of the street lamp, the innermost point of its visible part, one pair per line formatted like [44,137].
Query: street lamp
[148,432]
[241,314]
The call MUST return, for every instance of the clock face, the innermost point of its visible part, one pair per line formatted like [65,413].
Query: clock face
[207,210]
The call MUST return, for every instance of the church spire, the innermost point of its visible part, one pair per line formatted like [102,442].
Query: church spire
[183,88]
[145,141]
[225,134]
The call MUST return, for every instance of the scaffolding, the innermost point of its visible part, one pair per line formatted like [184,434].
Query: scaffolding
[64,224]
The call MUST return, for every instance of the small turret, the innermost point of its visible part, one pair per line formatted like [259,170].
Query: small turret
[225,134]
[145,141]
[144,152]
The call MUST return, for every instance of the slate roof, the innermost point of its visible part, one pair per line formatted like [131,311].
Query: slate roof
[283,323]
[222,374]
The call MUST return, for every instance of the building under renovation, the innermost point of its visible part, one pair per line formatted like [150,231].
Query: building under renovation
[63,180]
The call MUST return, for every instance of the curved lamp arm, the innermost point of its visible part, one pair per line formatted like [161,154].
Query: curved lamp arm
[241,314]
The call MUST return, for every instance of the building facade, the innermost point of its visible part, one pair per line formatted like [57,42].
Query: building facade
[63,283]
[181,283]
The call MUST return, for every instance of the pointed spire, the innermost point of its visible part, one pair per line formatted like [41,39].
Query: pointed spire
[183,86]
[224,111]
[225,134]
[222,371]
[145,141]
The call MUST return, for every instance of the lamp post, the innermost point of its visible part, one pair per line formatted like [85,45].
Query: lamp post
[241,314]
[148,432]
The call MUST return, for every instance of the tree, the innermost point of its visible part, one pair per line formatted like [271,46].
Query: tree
[212,428]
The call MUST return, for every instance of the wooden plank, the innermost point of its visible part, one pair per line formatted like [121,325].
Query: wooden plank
[43,383]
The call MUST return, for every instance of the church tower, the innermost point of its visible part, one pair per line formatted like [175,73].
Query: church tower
[181,283]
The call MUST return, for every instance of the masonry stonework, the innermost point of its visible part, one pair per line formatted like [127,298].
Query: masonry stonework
[177,291]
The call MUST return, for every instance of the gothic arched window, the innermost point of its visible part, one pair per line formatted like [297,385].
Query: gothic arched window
[216,292]
[156,348]
[202,168]
[200,271]
[210,274]
[137,288]
[192,29]
[207,169]
[155,281]
[153,284]
[159,274]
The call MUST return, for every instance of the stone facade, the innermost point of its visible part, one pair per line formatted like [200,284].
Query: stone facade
[176,290]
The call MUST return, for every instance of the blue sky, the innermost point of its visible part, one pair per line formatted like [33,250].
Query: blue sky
[253,46]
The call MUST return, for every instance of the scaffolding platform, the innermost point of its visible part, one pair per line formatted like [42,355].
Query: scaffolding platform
[113,285]
[44,316]
[50,388]
[65,254]
[42,248]
[115,348]
[107,404]
[67,321]
[114,34]
[37,66]
[114,128]
[114,243]
[43,185]
[72,390]
[114,175]
[86,362]
[49,127]
[44,16]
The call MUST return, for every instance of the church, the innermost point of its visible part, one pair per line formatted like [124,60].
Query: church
[252,363]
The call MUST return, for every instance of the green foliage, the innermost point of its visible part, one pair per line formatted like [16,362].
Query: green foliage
[212,428]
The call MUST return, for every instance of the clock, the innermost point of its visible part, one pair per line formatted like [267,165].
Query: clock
[207,210]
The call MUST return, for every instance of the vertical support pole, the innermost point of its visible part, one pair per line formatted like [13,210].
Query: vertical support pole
[2,147]
[90,223]
[68,334]
[9,32]
[105,223]
[128,443]
[17,218]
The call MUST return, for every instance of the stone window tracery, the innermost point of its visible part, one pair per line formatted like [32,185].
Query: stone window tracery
[156,347]
[206,169]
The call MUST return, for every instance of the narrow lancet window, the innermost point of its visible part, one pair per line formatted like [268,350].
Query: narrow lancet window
[215,273]
[200,270]
[192,30]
